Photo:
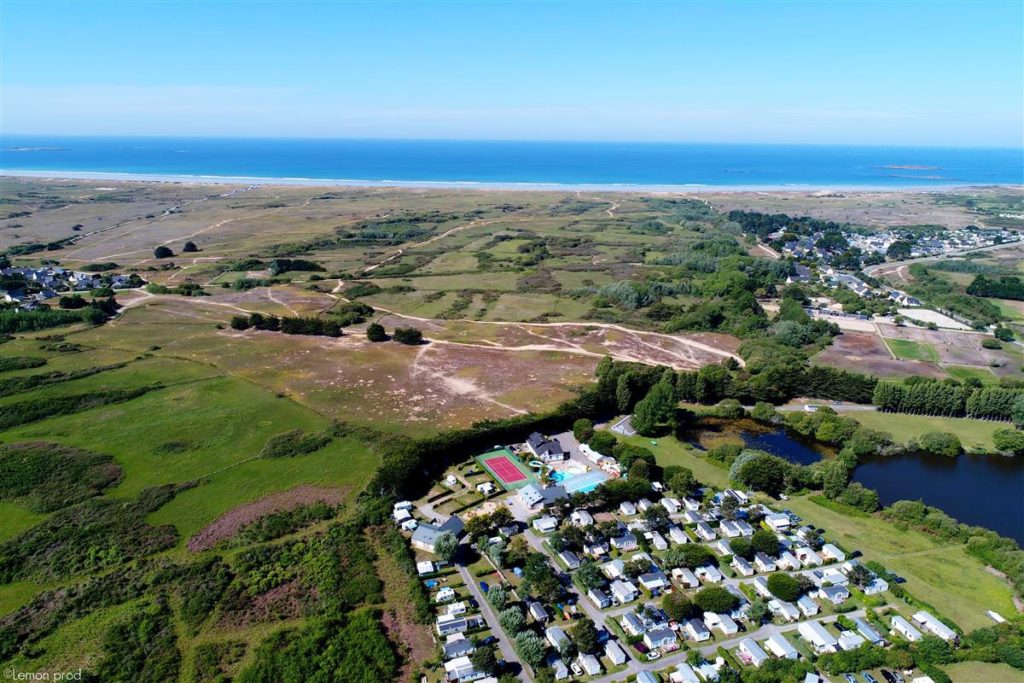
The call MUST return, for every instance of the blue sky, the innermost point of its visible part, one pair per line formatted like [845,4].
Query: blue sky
[944,73]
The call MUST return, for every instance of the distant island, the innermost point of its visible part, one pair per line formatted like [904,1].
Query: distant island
[911,167]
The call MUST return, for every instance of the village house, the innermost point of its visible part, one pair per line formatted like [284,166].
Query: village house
[903,627]
[807,606]
[779,521]
[780,647]
[722,622]
[935,627]
[752,653]
[614,653]
[457,645]
[557,638]
[697,630]
[654,581]
[545,525]
[444,594]
[545,450]
[657,540]
[784,610]
[625,542]
[570,559]
[763,563]
[671,505]
[705,532]
[709,574]
[660,638]
[538,612]
[787,561]
[426,535]
[808,557]
[735,528]
[623,591]
[581,518]
[760,584]
[590,665]
[677,535]
[817,637]
[627,509]
[599,598]
[614,569]
[849,640]
[868,631]
[831,552]
[685,577]
[461,670]
[684,673]
[837,595]
[742,567]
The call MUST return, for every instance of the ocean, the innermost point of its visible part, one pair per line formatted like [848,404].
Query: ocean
[625,166]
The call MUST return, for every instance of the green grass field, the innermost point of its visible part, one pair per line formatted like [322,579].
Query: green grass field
[911,350]
[1014,310]
[938,573]
[973,434]
[965,372]
[972,672]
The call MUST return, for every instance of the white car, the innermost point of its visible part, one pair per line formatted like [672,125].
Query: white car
[576,669]
[651,656]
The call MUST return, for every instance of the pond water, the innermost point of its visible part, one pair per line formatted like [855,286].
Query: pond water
[980,490]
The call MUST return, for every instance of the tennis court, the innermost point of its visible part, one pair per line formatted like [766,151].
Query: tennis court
[503,466]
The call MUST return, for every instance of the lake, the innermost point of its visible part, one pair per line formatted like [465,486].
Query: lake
[980,490]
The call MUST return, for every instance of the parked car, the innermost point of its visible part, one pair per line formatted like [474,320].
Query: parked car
[653,655]
[576,669]
[868,677]
[850,678]
[484,587]
[891,676]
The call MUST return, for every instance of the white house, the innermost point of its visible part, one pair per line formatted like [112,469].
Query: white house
[590,665]
[538,612]
[623,591]
[761,587]
[685,577]
[763,563]
[691,505]
[546,524]
[837,595]
[868,631]
[751,652]
[671,505]
[625,542]
[808,557]
[709,574]
[614,653]
[615,569]
[410,525]
[742,567]
[875,586]
[401,516]
[697,630]
[444,594]
[722,622]
[599,598]
[735,528]
[571,560]
[426,535]
[684,673]
[935,627]
[626,508]
[787,561]
[461,669]
[654,581]
[831,552]
[780,647]
[425,567]
[660,638]
[705,532]
[848,640]
[903,627]
[785,610]
[644,505]
[457,608]
[657,540]
[779,521]
[545,450]
[677,535]
[815,634]
[581,518]
[557,637]
[486,488]
[722,547]
[807,606]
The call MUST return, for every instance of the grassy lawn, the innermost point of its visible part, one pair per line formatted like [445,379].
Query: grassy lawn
[965,372]
[969,672]
[940,574]
[16,520]
[974,434]
[1014,310]
[911,350]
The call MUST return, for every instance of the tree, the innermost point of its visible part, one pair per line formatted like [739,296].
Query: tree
[624,393]
[530,647]
[240,322]
[589,575]
[539,578]
[859,575]
[758,611]
[729,507]
[760,471]
[162,252]
[683,483]
[1017,412]
[941,443]
[1010,440]
[741,547]
[445,546]
[783,586]
[72,302]
[189,248]
[585,637]
[764,541]
[635,568]
[716,599]
[677,606]
[583,429]
[603,442]
[644,419]
[656,516]
[691,556]
[764,412]
[409,336]
[511,619]
[496,597]
[484,659]
[834,478]
[375,332]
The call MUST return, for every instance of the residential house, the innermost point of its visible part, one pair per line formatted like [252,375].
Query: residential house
[742,567]
[632,624]
[426,535]
[671,505]
[410,525]
[571,560]
[685,577]
[646,677]
[787,561]
[780,647]
[684,673]
[722,547]
[591,666]
[561,671]
[444,594]
[425,567]
[657,540]
[735,528]
[837,595]
[581,518]
[785,610]
[677,535]
[808,557]
[458,645]
[625,542]
[660,638]
[760,584]
[722,622]
[807,606]
[817,637]
[623,591]
[596,550]
[546,524]
[536,498]
[709,574]
[691,504]
[461,669]
[449,623]
[538,612]
[831,552]
[545,450]
[849,640]
[752,653]
[779,521]
[615,569]
[697,630]
[654,581]
[875,586]
[486,488]
[457,608]
[868,631]
[614,653]
[931,624]
[705,532]
[903,627]
[643,505]
[599,598]
[626,508]
[763,563]
[692,517]
[558,638]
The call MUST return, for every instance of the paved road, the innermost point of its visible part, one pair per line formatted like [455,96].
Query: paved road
[508,652]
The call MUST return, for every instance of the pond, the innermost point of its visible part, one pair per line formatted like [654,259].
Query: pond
[982,490]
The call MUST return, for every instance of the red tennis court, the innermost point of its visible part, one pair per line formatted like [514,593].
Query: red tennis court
[505,469]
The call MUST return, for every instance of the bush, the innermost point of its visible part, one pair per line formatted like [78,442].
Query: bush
[784,587]
[940,443]
[604,443]
[73,302]
[49,476]
[583,430]
[375,332]
[409,336]
[162,252]
[991,344]
[189,248]
[240,322]
[1011,440]
[716,599]
[295,442]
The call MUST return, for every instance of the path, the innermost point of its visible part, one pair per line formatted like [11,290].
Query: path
[416,245]
[508,652]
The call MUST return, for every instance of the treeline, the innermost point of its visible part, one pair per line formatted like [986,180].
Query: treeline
[184,289]
[948,398]
[763,224]
[296,325]
[951,297]
[16,385]
[1005,287]
[14,321]
[32,410]
[283,265]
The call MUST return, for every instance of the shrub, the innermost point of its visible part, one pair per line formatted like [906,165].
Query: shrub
[162,252]
[715,599]
[1011,440]
[240,322]
[583,430]
[189,248]
[940,443]
[375,332]
[50,476]
[784,586]
[409,336]
[295,442]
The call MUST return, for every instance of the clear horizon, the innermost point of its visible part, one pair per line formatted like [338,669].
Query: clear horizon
[945,74]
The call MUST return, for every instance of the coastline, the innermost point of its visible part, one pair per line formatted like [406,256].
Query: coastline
[626,188]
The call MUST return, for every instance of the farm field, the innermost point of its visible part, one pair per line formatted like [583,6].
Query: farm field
[974,434]
[911,350]
[968,672]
